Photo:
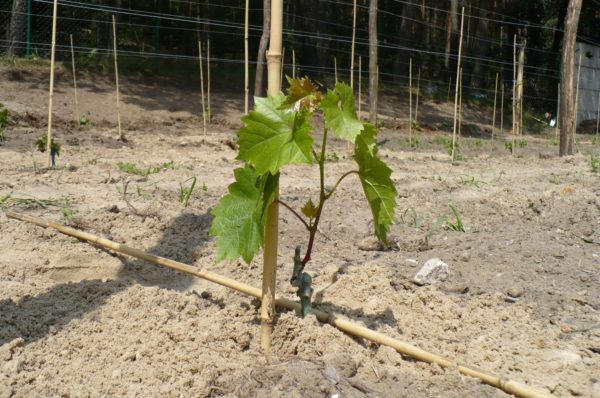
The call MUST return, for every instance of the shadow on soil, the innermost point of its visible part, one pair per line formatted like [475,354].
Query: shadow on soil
[32,318]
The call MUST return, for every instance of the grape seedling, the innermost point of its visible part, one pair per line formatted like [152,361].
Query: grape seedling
[278,133]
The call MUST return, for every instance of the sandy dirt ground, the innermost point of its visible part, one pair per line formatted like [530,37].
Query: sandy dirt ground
[80,321]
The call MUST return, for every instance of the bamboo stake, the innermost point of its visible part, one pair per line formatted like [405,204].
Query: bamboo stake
[577,98]
[460,80]
[502,110]
[267,310]
[462,22]
[347,326]
[208,109]
[521,85]
[410,114]
[494,112]
[417,99]
[202,88]
[359,84]
[74,80]
[51,93]
[121,136]
[557,112]
[335,69]
[282,65]
[246,62]
[598,119]
[293,64]
[353,46]
[514,97]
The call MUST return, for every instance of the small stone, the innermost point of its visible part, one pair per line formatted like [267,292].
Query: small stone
[559,358]
[370,244]
[116,374]
[113,209]
[130,356]
[433,271]
[465,256]
[412,262]
[515,292]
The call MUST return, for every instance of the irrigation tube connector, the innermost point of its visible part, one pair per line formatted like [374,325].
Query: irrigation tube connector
[507,385]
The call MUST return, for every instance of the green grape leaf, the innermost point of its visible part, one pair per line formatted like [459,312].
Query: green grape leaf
[340,113]
[303,92]
[375,177]
[273,137]
[240,216]
[309,209]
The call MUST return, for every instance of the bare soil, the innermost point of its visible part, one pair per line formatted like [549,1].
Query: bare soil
[79,321]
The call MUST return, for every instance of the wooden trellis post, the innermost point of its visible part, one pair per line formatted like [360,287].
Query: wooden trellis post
[51,94]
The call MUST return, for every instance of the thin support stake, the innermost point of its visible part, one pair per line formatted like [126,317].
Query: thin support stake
[410,113]
[293,64]
[417,97]
[514,96]
[202,88]
[335,69]
[246,61]
[121,136]
[347,326]
[460,81]
[353,45]
[502,110]
[208,109]
[359,84]
[74,81]
[269,282]
[51,94]
[576,99]
[494,111]
[462,23]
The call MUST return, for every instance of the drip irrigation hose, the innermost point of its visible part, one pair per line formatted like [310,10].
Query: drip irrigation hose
[507,385]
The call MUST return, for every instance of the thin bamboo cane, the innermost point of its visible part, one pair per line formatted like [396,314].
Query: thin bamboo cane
[202,88]
[246,61]
[514,96]
[598,120]
[460,80]
[410,114]
[208,109]
[557,112]
[576,100]
[267,310]
[293,64]
[522,86]
[353,45]
[74,81]
[282,65]
[347,326]
[494,111]
[51,93]
[502,110]
[359,84]
[121,136]
[417,97]
[335,69]
[462,22]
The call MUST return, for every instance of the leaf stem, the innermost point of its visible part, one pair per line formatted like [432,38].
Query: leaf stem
[294,212]
[339,181]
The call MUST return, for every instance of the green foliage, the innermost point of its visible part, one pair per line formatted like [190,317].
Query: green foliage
[273,137]
[41,144]
[522,143]
[470,181]
[340,113]
[554,142]
[185,192]
[508,145]
[333,157]
[457,225]
[132,168]
[278,132]
[595,164]
[413,142]
[240,216]
[84,121]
